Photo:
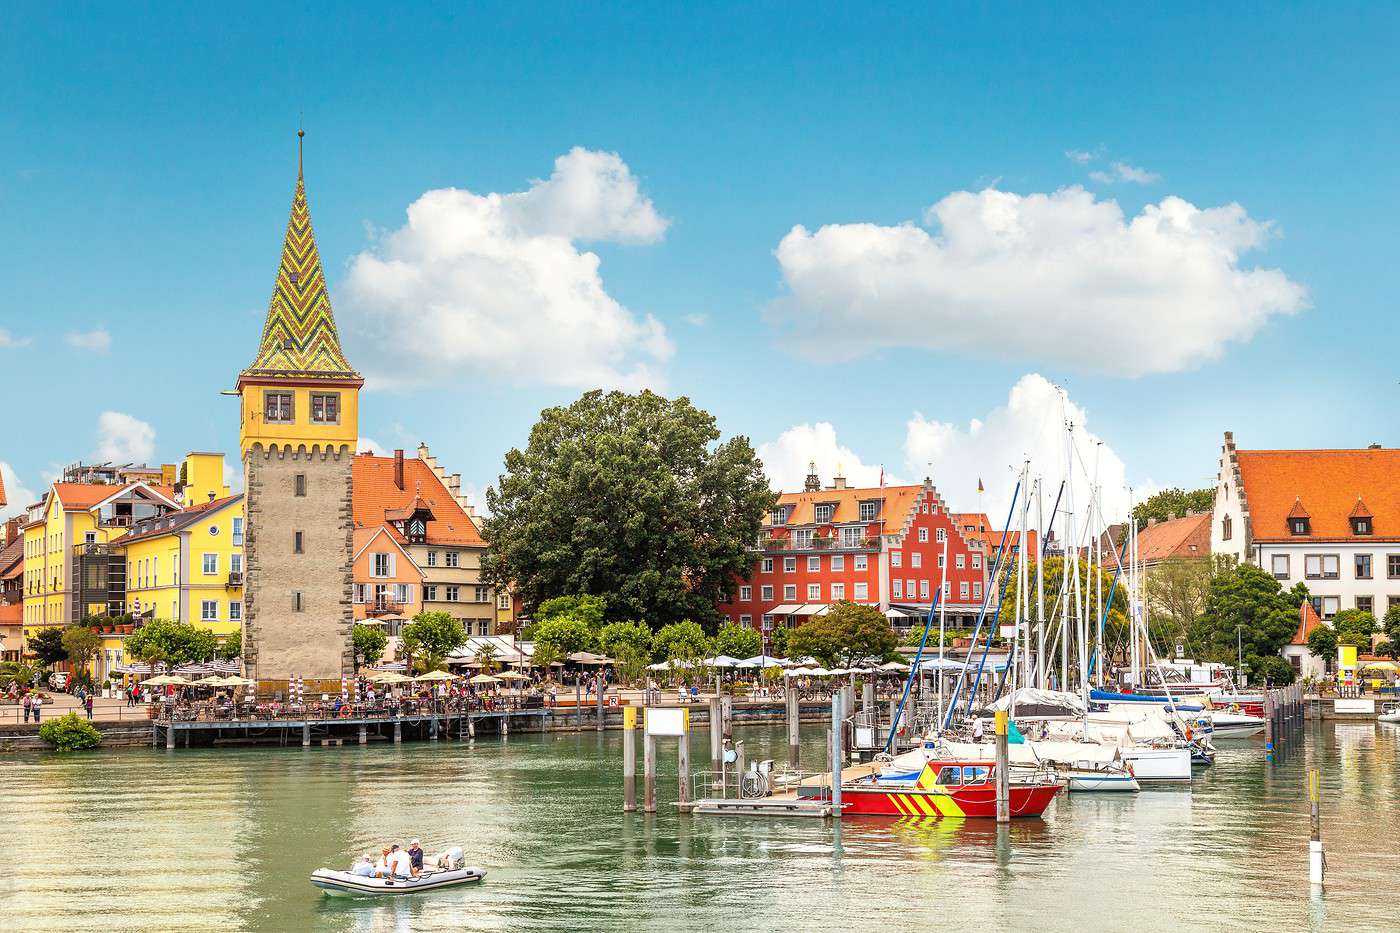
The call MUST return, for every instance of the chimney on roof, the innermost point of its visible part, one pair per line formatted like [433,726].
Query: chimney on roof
[1373,447]
[398,469]
[428,458]
[838,481]
[813,482]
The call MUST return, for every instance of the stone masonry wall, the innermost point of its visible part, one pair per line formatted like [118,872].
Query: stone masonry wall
[280,642]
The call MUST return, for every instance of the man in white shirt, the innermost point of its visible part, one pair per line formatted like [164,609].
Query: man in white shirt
[399,862]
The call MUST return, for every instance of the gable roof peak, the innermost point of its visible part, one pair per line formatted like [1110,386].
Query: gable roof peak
[1360,510]
[1298,511]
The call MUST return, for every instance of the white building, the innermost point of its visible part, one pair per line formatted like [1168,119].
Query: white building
[1327,518]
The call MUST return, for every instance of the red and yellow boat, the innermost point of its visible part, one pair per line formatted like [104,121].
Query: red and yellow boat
[943,788]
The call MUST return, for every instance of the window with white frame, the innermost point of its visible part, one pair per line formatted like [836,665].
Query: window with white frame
[481,594]
[211,564]
[814,592]
[962,589]
[746,620]
[960,561]
[916,559]
[898,588]
[766,593]
[976,589]
[896,559]
[789,592]
[745,594]
[1279,563]
[402,594]
[767,621]
[432,558]
[778,516]
[235,563]
[209,610]
[923,535]
[238,531]
[452,593]
[452,558]
[852,536]
[814,564]
[838,592]
[381,565]
[766,566]
[947,589]
[802,538]
[976,561]
[430,593]
[939,535]
[823,513]
[789,565]
[1362,564]
[235,611]
[838,562]
[869,510]
[862,592]
[923,589]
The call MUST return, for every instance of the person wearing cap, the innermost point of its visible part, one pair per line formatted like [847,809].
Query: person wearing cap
[364,868]
[415,858]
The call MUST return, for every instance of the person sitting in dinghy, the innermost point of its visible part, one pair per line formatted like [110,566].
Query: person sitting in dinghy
[364,868]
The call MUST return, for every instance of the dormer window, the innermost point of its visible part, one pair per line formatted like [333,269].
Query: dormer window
[868,510]
[824,513]
[778,516]
[1360,526]
[1300,526]
[417,531]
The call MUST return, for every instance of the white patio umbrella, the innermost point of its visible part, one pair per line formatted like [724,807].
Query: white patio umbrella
[721,660]
[763,660]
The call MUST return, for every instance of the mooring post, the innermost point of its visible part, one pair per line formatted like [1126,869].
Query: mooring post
[794,710]
[1003,769]
[1317,861]
[649,773]
[738,769]
[683,766]
[170,735]
[726,707]
[598,689]
[364,735]
[717,742]
[894,711]
[305,734]
[835,745]
[471,727]
[398,731]
[1268,723]
[629,759]
[578,701]
[505,724]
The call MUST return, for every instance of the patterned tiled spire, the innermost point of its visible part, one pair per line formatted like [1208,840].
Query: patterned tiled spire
[299,338]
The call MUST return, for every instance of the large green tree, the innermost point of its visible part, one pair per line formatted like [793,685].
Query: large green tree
[1246,611]
[738,641]
[80,643]
[680,641]
[430,638]
[616,638]
[630,497]
[1173,503]
[369,642]
[1176,591]
[849,632]
[47,645]
[174,643]
[566,634]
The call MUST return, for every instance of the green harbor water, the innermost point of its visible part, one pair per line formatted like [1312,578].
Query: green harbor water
[224,839]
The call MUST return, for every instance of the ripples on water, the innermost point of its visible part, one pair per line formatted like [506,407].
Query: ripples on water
[224,839]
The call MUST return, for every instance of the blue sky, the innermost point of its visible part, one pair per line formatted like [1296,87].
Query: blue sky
[147,157]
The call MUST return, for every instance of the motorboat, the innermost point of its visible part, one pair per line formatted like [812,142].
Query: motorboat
[1390,712]
[1225,725]
[451,872]
[943,788]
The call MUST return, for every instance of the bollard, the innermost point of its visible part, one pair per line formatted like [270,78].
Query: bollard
[716,743]
[1317,860]
[683,765]
[1003,769]
[649,774]
[629,759]
[471,727]
[835,775]
[794,712]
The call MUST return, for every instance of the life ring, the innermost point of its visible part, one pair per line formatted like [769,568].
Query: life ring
[345,711]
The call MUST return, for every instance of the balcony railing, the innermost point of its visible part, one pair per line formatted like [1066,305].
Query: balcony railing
[818,544]
[382,606]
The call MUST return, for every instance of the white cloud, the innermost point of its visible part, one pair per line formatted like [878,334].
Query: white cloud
[1060,278]
[992,448]
[1080,157]
[370,445]
[786,459]
[233,477]
[17,495]
[124,439]
[9,341]
[98,340]
[697,320]
[495,285]
[1122,171]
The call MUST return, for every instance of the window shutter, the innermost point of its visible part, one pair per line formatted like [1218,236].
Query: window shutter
[392,558]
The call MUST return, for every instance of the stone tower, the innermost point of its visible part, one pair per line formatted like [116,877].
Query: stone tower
[297,434]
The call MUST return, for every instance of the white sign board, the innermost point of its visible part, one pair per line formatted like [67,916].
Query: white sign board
[1353,706]
[666,721]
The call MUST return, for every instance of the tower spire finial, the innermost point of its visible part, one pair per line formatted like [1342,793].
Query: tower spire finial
[301,136]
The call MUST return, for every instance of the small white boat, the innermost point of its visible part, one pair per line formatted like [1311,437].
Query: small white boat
[1390,712]
[1090,779]
[453,874]
[1235,725]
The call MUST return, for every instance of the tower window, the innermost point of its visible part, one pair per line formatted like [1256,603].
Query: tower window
[277,407]
[299,484]
[297,602]
[325,407]
[297,542]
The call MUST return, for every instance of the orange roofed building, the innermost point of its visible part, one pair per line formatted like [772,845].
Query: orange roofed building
[880,546]
[1327,518]
[417,544]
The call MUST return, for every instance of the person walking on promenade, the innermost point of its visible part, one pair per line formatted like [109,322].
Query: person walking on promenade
[37,705]
[87,704]
[27,703]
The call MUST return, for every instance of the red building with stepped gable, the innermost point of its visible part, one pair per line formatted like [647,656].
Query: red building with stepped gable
[881,546]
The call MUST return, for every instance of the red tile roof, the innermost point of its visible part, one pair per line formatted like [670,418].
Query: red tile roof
[1329,482]
[1177,537]
[12,614]
[1307,621]
[78,497]
[374,495]
[897,501]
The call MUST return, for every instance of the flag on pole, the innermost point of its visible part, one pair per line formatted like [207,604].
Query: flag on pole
[882,476]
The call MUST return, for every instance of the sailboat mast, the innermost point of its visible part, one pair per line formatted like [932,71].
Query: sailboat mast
[1040,585]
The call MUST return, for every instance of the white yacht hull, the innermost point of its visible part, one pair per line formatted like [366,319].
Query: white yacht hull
[1080,781]
[1159,765]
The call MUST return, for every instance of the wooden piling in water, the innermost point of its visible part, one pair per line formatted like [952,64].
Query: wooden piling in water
[836,755]
[717,742]
[306,735]
[793,726]
[1268,721]
[649,774]
[629,759]
[1003,768]
[683,768]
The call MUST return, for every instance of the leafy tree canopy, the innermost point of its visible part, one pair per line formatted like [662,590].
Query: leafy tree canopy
[47,645]
[1354,622]
[616,637]
[369,642]
[1117,601]
[232,646]
[430,638]
[848,633]
[1322,642]
[631,497]
[80,643]
[566,634]
[1173,503]
[174,643]
[680,641]
[585,608]
[738,641]
[1246,603]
